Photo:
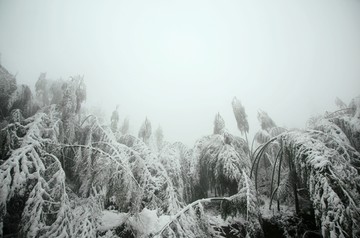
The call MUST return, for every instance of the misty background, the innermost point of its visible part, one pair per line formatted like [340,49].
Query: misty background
[180,62]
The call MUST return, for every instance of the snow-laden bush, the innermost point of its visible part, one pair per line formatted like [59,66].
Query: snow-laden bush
[127,171]
[332,181]
[185,156]
[223,165]
[35,175]
[191,221]
[220,160]
[170,159]
[323,161]
[245,204]
[159,190]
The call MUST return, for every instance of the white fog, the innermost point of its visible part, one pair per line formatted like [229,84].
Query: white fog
[180,62]
[165,118]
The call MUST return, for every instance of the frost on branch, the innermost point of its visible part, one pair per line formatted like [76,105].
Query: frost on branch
[245,203]
[266,122]
[86,215]
[219,124]
[332,180]
[127,171]
[349,122]
[185,156]
[159,138]
[159,190]
[340,103]
[47,211]
[7,87]
[323,162]
[33,174]
[170,159]
[24,144]
[223,167]
[191,221]
[103,164]
[22,99]
[124,129]
[145,131]
[220,159]
[240,116]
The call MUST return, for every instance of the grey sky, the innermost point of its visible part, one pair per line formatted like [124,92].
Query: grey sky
[181,62]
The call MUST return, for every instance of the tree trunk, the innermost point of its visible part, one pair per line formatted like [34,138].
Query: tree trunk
[297,209]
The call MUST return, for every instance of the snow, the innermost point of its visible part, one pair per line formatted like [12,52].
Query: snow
[162,221]
[268,213]
[320,162]
[146,222]
[111,219]
[143,173]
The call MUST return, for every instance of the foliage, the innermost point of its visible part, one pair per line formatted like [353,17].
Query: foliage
[245,203]
[340,103]
[73,95]
[145,131]
[36,175]
[323,161]
[114,120]
[170,158]
[219,124]
[159,190]
[221,160]
[191,221]
[7,87]
[124,129]
[266,122]
[240,116]
[22,99]
[42,90]
[159,135]
[58,171]
[185,158]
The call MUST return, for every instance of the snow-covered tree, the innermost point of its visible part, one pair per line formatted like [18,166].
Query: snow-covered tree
[160,191]
[74,94]
[240,116]
[219,161]
[170,159]
[191,221]
[22,99]
[323,161]
[159,135]
[42,87]
[263,136]
[34,174]
[219,124]
[56,91]
[102,163]
[115,119]
[185,157]
[7,87]
[339,103]
[58,172]
[145,131]
[124,129]
[266,122]
[126,171]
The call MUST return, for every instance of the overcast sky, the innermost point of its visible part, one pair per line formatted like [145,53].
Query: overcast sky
[181,62]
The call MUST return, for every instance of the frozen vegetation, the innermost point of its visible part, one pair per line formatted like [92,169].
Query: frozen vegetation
[67,173]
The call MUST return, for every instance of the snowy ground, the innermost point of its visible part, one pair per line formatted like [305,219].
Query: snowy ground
[147,222]
[267,213]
